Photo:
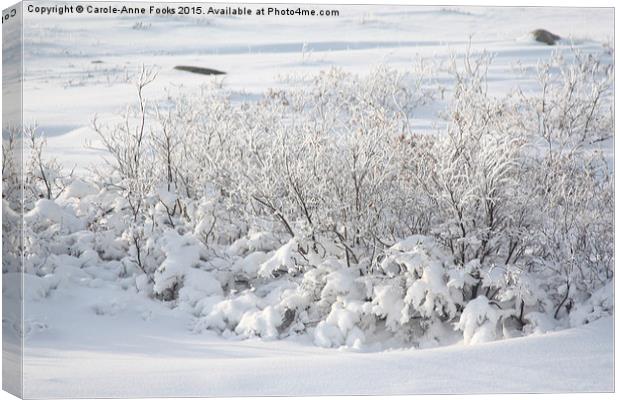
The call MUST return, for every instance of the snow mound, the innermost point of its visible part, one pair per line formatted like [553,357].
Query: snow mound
[79,189]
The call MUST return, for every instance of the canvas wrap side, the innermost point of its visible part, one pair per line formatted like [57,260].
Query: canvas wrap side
[12,200]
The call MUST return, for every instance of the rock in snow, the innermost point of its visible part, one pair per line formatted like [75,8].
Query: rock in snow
[544,36]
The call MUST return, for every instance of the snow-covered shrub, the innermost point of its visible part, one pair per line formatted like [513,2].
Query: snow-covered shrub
[11,238]
[318,210]
[471,177]
[12,175]
[287,259]
[179,274]
[418,298]
[571,181]
[341,326]
[479,321]
[515,189]
[225,315]
[600,304]
[133,158]
[50,214]
[43,177]
[263,323]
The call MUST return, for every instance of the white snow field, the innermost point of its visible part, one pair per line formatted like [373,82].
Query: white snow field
[87,335]
[124,355]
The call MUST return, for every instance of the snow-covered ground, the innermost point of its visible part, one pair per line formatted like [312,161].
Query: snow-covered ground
[96,340]
[87,337]
[124,355]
